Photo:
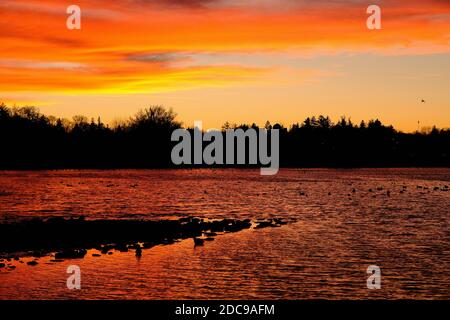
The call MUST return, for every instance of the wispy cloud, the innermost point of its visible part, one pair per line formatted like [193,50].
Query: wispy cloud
[26,64]
[165,44]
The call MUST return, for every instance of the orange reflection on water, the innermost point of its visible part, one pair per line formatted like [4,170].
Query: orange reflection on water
[346,221]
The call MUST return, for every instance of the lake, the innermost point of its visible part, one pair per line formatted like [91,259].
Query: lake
[345,221]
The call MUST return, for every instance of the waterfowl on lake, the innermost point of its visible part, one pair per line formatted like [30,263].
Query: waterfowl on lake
[198,242]
[138,252]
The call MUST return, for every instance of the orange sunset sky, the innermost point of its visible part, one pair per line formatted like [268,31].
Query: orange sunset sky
[230,60]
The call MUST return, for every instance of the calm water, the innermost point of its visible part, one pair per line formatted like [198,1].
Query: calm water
[341,229]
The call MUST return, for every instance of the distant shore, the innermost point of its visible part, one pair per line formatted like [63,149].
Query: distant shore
[34,141]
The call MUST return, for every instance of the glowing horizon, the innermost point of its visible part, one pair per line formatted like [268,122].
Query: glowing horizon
[221,60]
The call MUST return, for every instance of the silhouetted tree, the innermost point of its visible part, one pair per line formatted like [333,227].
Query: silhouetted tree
[31,140]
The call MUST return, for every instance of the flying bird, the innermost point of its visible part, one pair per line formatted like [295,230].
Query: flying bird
[423,101]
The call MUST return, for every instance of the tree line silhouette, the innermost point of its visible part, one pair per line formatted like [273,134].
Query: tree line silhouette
[31,140]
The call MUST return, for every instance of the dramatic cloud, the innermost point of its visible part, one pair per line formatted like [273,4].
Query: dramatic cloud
[131,43]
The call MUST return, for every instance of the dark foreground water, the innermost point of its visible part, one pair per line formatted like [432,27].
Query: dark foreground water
[347,220]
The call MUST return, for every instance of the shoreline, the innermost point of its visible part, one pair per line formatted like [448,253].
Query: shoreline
[71,238]
[212,167]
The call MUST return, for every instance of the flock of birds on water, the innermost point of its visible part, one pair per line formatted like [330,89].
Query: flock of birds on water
[261,223]
[387,192]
